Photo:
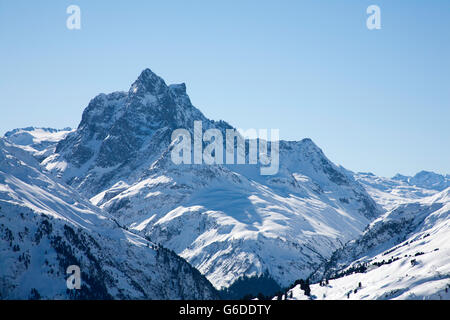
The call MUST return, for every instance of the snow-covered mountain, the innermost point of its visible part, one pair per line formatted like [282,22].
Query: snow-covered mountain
[41,142]
[426,180]
[226,220]
[312,219]
[121,134]
[46,226]
[403,254]
[389,192]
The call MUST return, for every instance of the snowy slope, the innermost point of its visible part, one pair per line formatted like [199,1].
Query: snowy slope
[404,254]
[46,226]
[227,224]
[227,220]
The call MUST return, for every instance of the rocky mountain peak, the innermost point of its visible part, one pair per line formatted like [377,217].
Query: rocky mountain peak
[148,83]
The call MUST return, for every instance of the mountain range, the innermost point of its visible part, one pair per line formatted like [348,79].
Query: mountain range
[118,206]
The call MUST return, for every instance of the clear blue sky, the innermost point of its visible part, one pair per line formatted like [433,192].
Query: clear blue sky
[374,101]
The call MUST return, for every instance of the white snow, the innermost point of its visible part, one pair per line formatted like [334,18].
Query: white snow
[39,217]
[421,263]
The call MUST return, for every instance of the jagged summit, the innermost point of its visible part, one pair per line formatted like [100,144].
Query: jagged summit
[149,103]
[148,83]
[125,129]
